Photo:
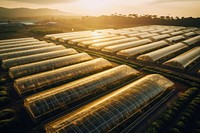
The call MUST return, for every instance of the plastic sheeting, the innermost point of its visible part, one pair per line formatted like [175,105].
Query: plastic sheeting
[105,113]
[37,57]
[185,59]
[163,52]
[30,52]
[55,98]
[34,82]
[37,67]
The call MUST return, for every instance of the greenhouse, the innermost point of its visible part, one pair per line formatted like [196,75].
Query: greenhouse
[189,30]
[21,44]
[15,40]
[190,34]
[146,30]
[137,34]
[88,43]
[160,37]
[130,32]
[142,49]
[167,31]
[133,29]
[104,114]
[192,41]
[30,52]
[55,36]
[125,33]
[148,35]
[37,57]
[35,46]
[70,35]
[66,39]
[175,39]
[47,101]
[87,34]
[177,28]
[158,30]
[197,31]
[69,73]
[18,39]
[116,31]
[184,60]
[176,33]
[115,48]
[161,53]
[51,64]
[75,41]
[99,46]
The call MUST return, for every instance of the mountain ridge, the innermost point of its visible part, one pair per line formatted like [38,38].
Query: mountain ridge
[27,12]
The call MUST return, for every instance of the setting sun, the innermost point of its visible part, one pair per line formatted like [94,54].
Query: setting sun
[94,5]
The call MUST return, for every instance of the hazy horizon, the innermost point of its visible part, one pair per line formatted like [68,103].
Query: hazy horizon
[181,8]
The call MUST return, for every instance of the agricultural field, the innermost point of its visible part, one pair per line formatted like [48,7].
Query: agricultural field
[108,80]
[173,47]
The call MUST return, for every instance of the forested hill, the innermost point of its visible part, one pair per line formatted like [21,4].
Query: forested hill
[26,12]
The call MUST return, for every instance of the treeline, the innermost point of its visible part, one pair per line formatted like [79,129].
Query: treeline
[131,19]
[181,117]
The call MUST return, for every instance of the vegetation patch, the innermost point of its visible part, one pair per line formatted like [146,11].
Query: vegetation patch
[8,118]
[181,116]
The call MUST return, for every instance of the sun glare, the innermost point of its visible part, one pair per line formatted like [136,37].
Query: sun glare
[94,5]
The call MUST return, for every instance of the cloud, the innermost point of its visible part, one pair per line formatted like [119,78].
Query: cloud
[44,1]
[180,2]
[174,0]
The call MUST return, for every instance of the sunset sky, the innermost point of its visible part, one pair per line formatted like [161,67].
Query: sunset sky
[102,7]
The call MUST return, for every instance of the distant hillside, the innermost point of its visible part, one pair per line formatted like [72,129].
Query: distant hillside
[26,12]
